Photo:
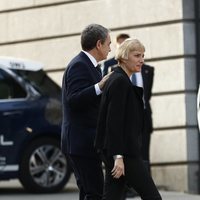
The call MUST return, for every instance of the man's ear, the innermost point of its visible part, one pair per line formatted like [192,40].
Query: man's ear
[98,45]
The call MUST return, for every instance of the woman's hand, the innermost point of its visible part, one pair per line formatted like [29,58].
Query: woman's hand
[118,169]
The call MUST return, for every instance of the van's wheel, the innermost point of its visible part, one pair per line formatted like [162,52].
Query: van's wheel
[44,168]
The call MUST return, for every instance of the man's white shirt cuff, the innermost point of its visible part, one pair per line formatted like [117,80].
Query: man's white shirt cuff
[97,89]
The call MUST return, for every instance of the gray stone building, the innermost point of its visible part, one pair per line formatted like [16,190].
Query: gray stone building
[49,31]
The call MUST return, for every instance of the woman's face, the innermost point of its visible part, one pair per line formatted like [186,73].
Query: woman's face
[134,62]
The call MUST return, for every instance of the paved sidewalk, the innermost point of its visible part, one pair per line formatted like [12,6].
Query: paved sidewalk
[168,195]
[71,193]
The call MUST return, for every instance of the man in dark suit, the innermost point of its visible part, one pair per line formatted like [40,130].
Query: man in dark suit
[145,80]
[148,75]
[81,89]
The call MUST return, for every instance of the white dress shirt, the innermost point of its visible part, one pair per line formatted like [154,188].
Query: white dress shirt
[139,80]
[94,62]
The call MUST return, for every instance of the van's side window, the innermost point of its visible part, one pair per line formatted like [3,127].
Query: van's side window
[9,88]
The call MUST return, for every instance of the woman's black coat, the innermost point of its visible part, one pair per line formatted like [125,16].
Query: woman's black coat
[121,117]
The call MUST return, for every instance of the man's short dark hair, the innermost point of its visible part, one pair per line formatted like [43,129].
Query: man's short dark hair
[122,36]
[91,34]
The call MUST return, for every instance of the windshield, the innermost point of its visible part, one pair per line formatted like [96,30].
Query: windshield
[41,82]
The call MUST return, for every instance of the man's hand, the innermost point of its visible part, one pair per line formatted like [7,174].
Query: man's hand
[118,169]
[103,80]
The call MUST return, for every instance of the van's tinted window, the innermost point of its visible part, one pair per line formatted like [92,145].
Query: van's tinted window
[40,81]
[9,88]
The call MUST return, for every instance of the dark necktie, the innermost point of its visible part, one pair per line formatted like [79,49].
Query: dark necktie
[133,79]
[98,68]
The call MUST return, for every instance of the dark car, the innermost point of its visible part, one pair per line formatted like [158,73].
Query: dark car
[30,127]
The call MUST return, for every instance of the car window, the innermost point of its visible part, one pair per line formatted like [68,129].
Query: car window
[40,81]
[9,88]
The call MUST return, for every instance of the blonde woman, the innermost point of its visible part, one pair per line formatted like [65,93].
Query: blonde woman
[120,126]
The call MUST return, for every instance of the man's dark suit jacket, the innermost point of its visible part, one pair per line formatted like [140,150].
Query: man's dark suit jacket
[121,116]
[110,63]
[147,76]
[81,105]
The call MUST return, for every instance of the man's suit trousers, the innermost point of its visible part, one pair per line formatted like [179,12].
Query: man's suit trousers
[89,176]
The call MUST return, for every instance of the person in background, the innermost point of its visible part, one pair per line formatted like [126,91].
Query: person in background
[81,90]
[120,126]
[144,79]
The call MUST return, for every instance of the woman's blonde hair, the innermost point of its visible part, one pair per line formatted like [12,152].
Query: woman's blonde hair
[126,47]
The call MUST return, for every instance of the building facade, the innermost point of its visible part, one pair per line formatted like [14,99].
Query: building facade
[49,31]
